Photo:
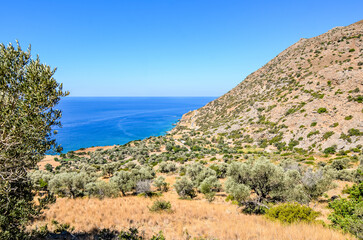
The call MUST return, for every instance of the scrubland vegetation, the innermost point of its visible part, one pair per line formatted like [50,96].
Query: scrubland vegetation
[161,184]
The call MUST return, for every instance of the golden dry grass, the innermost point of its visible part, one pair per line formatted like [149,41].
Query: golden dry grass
[48,159]
[197,217]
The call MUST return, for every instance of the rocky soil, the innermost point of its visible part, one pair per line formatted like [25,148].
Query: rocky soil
[308,97]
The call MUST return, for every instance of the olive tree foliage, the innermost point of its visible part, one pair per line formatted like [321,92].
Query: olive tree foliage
[102,189]
[167,167]
[110,168]
[198,173]
[209,187]
[127,181]
[40,179]
[70,184]
[185,188]
[198,177]
[274,183]
[160,184]
[28,95]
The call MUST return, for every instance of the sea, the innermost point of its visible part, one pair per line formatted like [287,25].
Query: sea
[105,121]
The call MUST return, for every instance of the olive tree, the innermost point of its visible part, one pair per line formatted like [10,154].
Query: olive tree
[70,184]
[160,184]
[185,188]
[28,96]
[273,183]
[101,189]
[127,181]
[109,169]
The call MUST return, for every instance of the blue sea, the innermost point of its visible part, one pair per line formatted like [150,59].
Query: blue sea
[103,121]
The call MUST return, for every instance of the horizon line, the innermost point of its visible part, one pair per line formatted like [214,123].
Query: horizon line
[142,96]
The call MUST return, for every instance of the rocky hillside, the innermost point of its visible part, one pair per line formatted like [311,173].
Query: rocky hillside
[308,97]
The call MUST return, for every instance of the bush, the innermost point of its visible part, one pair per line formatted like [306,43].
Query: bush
[348,213]
[330,150]
[133,234]
[127,180]
[185,188]
[340,164]
[167,167]
[143,187]
[109,169]
[102,189]
[220,169]
[291,213]
[328,135]
[239,192]
[322,110]
[354,132]
[161,205]
[348,117]
[312,133]
[48,167]
[209,186]
[160,184]
[198,173]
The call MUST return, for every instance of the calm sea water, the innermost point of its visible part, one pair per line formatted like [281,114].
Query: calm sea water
[102,121]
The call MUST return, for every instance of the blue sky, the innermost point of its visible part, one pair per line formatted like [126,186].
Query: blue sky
[164,47]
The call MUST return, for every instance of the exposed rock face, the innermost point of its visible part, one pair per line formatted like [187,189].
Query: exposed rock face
[310,96]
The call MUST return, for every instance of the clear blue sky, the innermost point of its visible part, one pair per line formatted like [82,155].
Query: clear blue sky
[164,47]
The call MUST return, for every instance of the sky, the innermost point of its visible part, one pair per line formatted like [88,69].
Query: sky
[164,47]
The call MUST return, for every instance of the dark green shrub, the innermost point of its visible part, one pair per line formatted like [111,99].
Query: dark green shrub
[354,132]
[322,110]
[340,164]
[328,135]
[48,167]
[348,117]
[133,234]
[348,213]
[312,133]
[161,205]
[330,150]
[291,213]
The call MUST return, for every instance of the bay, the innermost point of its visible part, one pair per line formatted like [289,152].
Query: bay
[104,121]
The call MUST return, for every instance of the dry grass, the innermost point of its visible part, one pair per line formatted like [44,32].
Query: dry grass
[48,159]
[197,218]
[93,149]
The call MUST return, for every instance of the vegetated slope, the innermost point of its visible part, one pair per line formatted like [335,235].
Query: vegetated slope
[310,96]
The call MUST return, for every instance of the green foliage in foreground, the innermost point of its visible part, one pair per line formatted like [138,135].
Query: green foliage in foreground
[133,234]
[28,95]
[291,213]
[63,231]
[348,212]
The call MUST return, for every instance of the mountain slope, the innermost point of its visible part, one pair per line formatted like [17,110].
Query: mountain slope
[309,97]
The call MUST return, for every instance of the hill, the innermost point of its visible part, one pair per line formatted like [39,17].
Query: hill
[309,97]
